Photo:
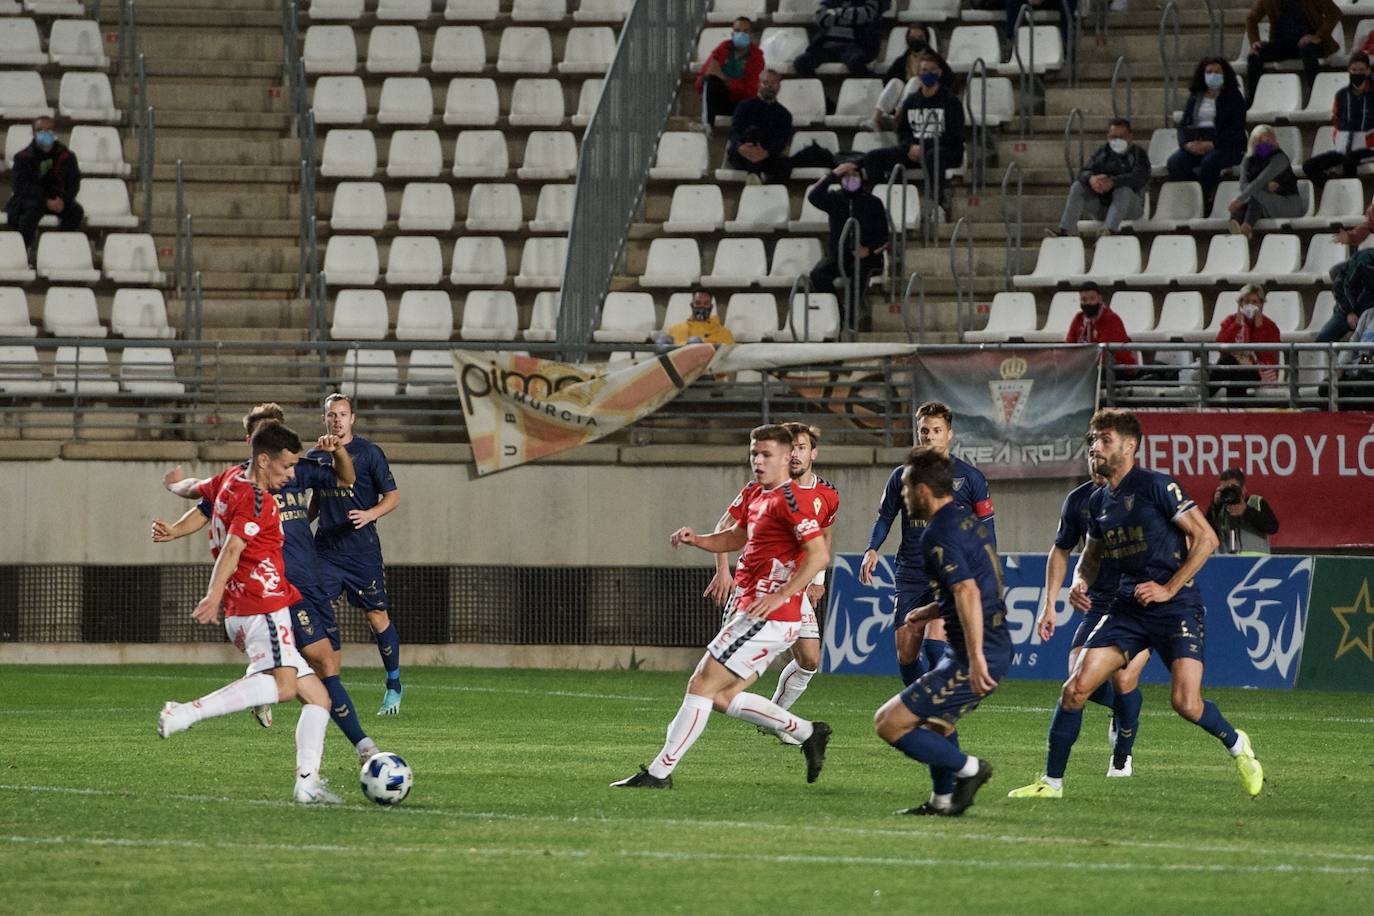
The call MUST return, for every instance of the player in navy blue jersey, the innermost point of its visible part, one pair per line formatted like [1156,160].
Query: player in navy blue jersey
[346,538]
[919,649]
[312,619]
[964,573]
[1121,694]
[1158,539]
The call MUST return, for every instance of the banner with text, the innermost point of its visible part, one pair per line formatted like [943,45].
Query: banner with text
[1255,625]
[1315,469]
[1018,414]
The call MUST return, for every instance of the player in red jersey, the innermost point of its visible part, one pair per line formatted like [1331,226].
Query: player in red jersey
[248,579]
[784,548]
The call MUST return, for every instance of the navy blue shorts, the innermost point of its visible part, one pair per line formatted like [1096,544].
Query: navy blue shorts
[944,695]
[360,577]
[908,599]
[312,621]
[1171,631]
[1090,619]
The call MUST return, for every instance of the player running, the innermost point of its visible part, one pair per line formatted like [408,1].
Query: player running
[247,580]
[346,538]
[919,650]
[1121,694]
[1159,539]
[965,575]
[783,550]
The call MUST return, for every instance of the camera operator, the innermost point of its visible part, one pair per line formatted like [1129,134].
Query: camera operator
[1243,522]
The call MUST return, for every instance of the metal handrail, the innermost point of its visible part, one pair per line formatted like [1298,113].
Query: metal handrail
[804,281]
[1075,116]
[1073,37]
[190,254]
[1216,27]
[851,234]
[147,150]
[1015,228]
[963,286]
[138,103]
[934,173]
[919,281]
[1122,65]
[980,124]
[1025,78]
[179,249]
[126,62]
[290,44]
[1169,59]
[897,228]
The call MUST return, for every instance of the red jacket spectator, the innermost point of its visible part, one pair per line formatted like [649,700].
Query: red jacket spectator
[1237,329]
[745,85]
[1105,328]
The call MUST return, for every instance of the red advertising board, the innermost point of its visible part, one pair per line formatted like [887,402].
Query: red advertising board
[1315,469]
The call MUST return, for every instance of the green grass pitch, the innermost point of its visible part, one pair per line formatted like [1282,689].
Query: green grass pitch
[511,812]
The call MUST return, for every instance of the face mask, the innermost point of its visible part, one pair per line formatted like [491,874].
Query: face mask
[1118,145]
[916,45]
[930,79]
[1213,80]
[1264,150]
[1357,80]
[1250,311]
[1091,311]
[851,183]
[741,40]
[45,139]
[701,314]
[767,94]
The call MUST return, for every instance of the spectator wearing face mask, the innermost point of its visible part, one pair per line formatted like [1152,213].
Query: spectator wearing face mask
[1237,371]
[1352,125]
[904,77]
[1111,185]
[730,73]
[1268,187]
[44,180]
[850,201]
[847,32]
[1211,136]
[704,326]
[930,130]
[1096,323]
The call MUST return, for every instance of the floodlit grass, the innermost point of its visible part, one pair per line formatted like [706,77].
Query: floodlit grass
[511,812]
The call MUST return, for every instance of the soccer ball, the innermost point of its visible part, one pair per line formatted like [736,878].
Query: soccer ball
[386,779]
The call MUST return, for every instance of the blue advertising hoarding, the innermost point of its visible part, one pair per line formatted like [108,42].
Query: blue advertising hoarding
[1256,619]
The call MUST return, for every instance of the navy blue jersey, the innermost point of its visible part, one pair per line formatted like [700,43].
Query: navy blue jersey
[335,531]
[1135,527]
[970,491]
[1074,519]
[958,546]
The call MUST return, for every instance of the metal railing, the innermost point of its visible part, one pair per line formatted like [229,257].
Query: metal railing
[126,56]
[1122,66]
[979,72]
[147,155]
[896,256]
[1013,215]
[915,282]
[1026,81]
[963,283]
[1216,27]
[1170,54]
[1073,38]
[851,276]
[800,287]
[292,69]
[181,252]
[1075,117]
[656,43]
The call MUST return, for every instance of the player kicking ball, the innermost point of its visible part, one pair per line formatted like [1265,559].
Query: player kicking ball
[965,577]
[1143,522]
[248,580]
[783,550]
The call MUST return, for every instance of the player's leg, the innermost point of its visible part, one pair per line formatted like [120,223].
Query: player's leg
[1186,695]
[323,657]
[366,588]
[933,644]
[805,662]
[1126,714]
[259,639]
[684,729]
[311,788]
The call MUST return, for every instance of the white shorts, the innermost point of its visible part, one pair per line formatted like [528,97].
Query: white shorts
[810,627]
[747,646]
[267,641]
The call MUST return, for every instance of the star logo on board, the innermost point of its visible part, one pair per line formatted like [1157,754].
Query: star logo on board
[1357,624]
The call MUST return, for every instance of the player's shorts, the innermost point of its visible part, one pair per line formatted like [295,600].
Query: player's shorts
[907,598]
[1085,627]
[361,577]
[810,626]
[312,621]
[945,694]
[747,646]
[1172,631]
[267,641]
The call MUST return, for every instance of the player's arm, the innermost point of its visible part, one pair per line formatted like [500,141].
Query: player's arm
[207,611]
[340,459]
[1202,542]
[887,511]
[190,523]
[1085,574]
[815,557]
[1056,566]
[982,507]
[719,589]
[732,538]
[179,484]
[816,590]
[969,604]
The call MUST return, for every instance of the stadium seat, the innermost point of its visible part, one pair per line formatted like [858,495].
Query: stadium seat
[737,262]
[1163,144]
[20,372]
[1063,306]
[358,206]
[553,209]
[481,154]
[471,102]
[426,206]
[1277,96]
[1116,259]
[1173,259]
[106,202]
[536,102]
[14,259]
[53,7]
[543,317]
[791,257]
[707,41]
[472,10]
[478,260]
[405,100]
[695,208]
[678,310]
[140,313]
[541,262]
[359,314]
[525,49]
[494,208]
[66,258]
[762,208]
[549,154]
[1042,50]
[805,99]
[1290,141]
[18,136]
[928,10]
[671,263]
[99,150]
[1058,259]
[1220,216]
[1284,308]
[1307,194]
[780,46]
[811,319]
[130,257]
[1010,317]
[795,12]
[682,156]
[1227,256]
[414,260]
[826,139]
[1178,204]
[330,49]
[1321,311]
[393,49]
[20,45]
[1324,142]
[1136,310]
[1181,313]
[855,104]
[752,317]
[602,10]
[901,199]
[489,314]
[69,311]
[587,97]
[1342,204]
[1318,108]
[76,43]
[349,153]
[335,10]
[810,219]
[403,10]
[85,96]
[1323,253]
[424,314]
[351,260]
[538,10]
[414,154]
[626,318]
[1000,103]
[968,43]
[589,49]
[150,371]
[431,373]
[339,100]
[370,374]
[14,313]
[458,49]
[1279,255]
[24,97]
[1225,305]
[83,370]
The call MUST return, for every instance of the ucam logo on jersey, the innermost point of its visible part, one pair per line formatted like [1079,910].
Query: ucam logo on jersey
[1256,620]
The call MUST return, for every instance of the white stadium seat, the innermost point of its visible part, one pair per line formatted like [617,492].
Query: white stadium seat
[414,154]
[20,372]
[737,262]
[602,10]
[478,260]
[671,263]
[426,206]
[424,314]
[481,154]
[724,12]
[370,374]
[1277,96]
[589,49]
[626,318]
[349,153]
[587,97]
[106,202]
[1227,256]
[335,10]
[458,49]
[69,311]
[752,317]
[1279,255]
[968,43]
[430,374]
[1116,259]
[351,260]
[489,314]
[414,260]
[762,208]
[855,104]
[405,100]
[812,318]
[150,371]
[20,45]
[140,313]
[85,96]
[1011,316]
[805,99]
[695,208]
[99,150]
[791,257]
[1173,259]
[403,10]
[65,257]
[358,206]
[14,316]
[14,259]
[472,10]
[339,100]
[525,49]
[538,10]
[682,156]
[553,209]
[494,208]
[1058,259]
[1323,253]
[393,49]
[359,314]
[536,102]
[543,317]
[1342,204]
[24,97]
[1042,50]
[77,43]
[330,49]
[541,262]
[131,257]
[471,102]
[1136,310]
[83,370]
[1177,205]
[549,154]
[1180,314]
[1063,306]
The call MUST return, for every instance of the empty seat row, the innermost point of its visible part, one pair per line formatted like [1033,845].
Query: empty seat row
[360,206]
[105,202]
[417,260]
[71,43]
[85,371]
[352,153]
[46,8]
[1178,205]
[750,317]
[71,312]
[470,102]
[98,149]
[65,257]
[766,208]
[81,96]
[737,262]
[469,10]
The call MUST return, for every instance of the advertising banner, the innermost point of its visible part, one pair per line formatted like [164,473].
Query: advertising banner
[1020,414]
[1256,620]
[1315,469]
[1339,654]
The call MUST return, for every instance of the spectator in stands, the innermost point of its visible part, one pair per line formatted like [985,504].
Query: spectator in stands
[1297,29]
[1352,286]
[1040,9]
[730,73]
[1096,323]
[1211,136]
[1356,367]
[44,179]
[1111,185]
[759,132]
[1268,187]
[1243,521]
[851,201]
[906,69]
[703,327]
[847,32]
[1236,371]
[1352,125]
[930,132]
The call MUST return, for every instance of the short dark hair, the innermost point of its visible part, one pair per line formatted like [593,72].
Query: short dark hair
[1117,420]
[802,429]
[268,411]
[339,396]
[772,432]
[272,439]
[925,465]
[1119,122]
[1359,57]
[743,19]
[702,289]
[1235,474]
[1088,286]
[936,409]
[1199,81]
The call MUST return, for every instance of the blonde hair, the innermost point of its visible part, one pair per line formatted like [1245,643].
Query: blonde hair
[1258,131]
[1250,289]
